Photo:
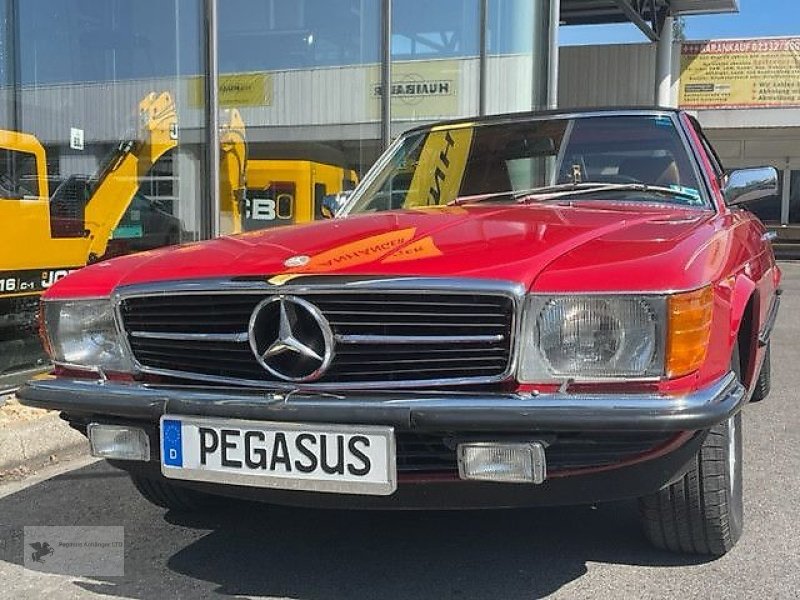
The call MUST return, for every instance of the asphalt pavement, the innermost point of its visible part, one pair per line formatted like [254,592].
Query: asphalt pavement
[252,550]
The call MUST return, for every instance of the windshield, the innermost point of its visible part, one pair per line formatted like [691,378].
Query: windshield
[505,162]
[18,174]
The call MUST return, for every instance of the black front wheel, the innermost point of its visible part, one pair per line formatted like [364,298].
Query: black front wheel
[764,381]
[702,513]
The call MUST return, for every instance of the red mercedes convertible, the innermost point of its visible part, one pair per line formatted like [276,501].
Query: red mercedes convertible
[518,310]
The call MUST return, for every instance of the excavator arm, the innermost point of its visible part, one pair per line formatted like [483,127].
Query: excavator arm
[111,194]
[233,170]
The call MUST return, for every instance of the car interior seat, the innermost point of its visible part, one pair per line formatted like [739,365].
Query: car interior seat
[485,177]
[654,171]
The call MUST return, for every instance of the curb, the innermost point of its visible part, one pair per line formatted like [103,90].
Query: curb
[36,443]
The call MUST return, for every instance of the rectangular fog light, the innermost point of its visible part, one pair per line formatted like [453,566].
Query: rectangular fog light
[118,442]
[508,463]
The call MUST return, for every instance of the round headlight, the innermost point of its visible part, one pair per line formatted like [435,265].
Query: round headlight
[605,337]
[82,333]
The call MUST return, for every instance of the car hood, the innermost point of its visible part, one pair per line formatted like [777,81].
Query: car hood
[581,246]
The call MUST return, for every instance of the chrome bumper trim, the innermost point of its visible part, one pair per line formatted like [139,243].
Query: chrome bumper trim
[420,411]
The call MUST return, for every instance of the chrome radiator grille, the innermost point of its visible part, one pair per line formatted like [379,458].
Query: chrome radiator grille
[391,337]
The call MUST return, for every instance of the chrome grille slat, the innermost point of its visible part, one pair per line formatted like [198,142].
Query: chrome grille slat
[418,361]
[234,359]
[322,302]
[414,369]
[168,346]
[419,339]
[199,337]
[368,313]
[396,337]
[334,322]
[466,350]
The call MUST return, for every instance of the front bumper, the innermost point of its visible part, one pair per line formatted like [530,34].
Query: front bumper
[408,411]
[683,419]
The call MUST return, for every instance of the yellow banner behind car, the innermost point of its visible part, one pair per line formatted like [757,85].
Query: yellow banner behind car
[437,178]
[740,73]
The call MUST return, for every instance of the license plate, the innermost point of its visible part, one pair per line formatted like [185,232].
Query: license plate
[341,459]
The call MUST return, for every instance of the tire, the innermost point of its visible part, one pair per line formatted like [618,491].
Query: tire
[173,497]
[702,513]
[764,381]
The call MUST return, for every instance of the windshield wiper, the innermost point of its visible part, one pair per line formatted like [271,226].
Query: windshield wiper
[548,189]
[645,188]
[568,190]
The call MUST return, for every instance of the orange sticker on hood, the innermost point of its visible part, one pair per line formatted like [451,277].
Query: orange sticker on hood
[360,252]
[422,248]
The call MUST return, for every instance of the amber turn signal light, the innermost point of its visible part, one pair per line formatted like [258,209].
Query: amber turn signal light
[688,330]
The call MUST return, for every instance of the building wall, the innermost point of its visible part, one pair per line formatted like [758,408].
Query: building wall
[609,75]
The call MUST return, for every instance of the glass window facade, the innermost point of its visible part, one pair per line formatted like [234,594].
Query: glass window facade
[277,35]
[299,79]
[101,143]
[104,143]
[434,52]
[517,40]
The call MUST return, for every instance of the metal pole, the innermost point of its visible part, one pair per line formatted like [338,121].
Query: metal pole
[14,64]
[211,225]
[663,91]
[553,54]
[386,74]
[483,66]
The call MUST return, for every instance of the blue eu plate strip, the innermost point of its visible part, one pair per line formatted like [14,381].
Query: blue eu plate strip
[172,446]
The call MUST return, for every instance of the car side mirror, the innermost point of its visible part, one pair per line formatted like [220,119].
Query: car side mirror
[745,185]
[333,203]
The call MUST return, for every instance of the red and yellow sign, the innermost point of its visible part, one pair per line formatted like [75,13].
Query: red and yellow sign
[740,73]
[422,248]
[359,252]
[395,246]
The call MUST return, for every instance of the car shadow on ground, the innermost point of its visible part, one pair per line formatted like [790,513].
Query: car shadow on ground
[252,549]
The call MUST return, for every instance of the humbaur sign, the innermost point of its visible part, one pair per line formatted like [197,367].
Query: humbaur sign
[420,88]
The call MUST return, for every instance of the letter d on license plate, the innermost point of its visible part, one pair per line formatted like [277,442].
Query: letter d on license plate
[341,459]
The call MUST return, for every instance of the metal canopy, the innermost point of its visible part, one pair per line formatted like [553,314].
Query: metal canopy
[647,15]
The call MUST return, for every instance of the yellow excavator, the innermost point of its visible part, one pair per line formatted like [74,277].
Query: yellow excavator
[261,193]
[43,237]
[233,170]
